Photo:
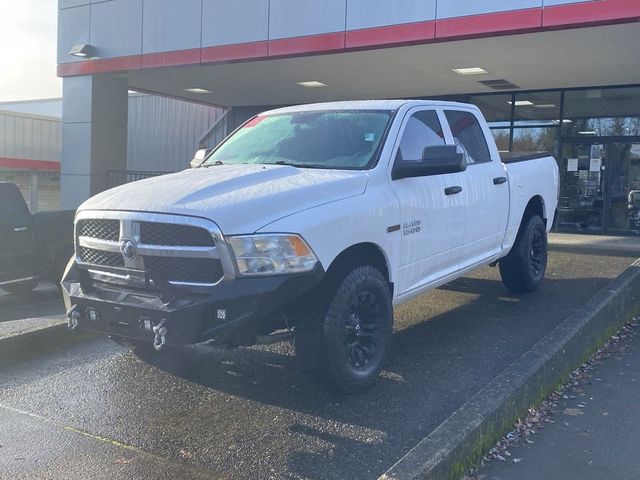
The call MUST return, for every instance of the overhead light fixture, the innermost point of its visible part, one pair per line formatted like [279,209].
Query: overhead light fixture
[82,50]
[312,84]
[197,90]
[470,71]
[545,105]
[521,103]
[564,120]
[588,132]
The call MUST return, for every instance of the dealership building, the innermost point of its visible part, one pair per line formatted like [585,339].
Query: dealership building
[558,75]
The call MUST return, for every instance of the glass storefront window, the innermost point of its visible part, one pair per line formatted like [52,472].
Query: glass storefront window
[537,108]
[602,112]
[501,137]
[495,108]
[540,139]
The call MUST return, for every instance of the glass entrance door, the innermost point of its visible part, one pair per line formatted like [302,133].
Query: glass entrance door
[600,185]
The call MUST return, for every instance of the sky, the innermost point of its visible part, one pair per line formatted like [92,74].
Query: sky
[28,36]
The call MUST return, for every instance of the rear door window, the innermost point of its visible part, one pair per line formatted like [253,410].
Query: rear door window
[467,133]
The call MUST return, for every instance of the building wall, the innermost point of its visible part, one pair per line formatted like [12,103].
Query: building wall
[163,132]
[141,32]
[30,137]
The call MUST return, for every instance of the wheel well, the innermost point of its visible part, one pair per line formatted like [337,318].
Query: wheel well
[534,207]
[357,255]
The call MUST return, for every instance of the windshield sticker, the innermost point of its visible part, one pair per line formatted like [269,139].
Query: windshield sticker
[369,137]
[255,121]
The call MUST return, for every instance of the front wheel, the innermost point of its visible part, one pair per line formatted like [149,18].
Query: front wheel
[524,267]
[348,338]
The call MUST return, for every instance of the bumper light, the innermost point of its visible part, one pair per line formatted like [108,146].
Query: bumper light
[272,254]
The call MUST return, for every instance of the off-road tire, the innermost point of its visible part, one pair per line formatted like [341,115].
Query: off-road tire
[524,267]
[345,336]
[20,288]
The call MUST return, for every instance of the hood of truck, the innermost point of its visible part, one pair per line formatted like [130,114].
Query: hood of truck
[239,198]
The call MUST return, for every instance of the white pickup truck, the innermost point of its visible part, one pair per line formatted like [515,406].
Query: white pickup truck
[312,222]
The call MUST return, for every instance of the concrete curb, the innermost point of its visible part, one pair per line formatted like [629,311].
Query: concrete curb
[460,441]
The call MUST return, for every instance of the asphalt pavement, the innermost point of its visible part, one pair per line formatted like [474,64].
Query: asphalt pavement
[95,410]
[594,432]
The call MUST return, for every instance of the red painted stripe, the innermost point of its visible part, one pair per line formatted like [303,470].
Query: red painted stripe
[238,51]
[501,22]
[391,34]
[595,11]
[28,164]
[116,64]
[74,68]
[581,13]
[165,59]
[326,42]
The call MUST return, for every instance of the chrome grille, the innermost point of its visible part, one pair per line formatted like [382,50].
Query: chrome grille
[100,257]
[154,233]
[99,228]
[183,250]
[185,270]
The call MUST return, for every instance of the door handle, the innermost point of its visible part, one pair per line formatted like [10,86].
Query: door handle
[20,229]
[452,190]
[499,180]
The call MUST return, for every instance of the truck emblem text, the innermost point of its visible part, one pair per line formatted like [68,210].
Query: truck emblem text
[128,249]
[412,226]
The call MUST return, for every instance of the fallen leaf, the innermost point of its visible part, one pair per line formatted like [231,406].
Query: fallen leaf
[573,412]
[186,455]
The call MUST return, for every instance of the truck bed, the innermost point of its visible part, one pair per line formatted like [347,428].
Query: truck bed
[513,157]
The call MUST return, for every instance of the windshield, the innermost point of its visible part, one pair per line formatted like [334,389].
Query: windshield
[321,139]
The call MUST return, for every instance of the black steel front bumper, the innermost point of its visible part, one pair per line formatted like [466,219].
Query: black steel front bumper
[235,310]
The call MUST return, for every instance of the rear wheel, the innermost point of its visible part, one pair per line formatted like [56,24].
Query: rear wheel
[20,288]
[347,339]
[524,267]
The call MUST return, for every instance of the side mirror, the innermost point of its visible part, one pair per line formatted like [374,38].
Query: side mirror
[436,160]
[199,157]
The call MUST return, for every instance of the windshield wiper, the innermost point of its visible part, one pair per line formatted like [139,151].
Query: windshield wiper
[291,164]
[216,163]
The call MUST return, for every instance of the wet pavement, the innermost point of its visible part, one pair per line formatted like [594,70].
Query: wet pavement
[251,414]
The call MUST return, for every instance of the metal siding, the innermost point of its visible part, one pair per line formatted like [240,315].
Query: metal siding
[171,25]
[116,28]
[460,8]
[239,21]
[293,18]
[73,29]
[169,141]
[30,138]
[71,3]
[377,13]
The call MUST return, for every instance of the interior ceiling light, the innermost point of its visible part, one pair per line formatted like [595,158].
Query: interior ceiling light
[312,84]
[588,132]
[545,105]
[470,71]
[197,90]
[521,103]
[82,50]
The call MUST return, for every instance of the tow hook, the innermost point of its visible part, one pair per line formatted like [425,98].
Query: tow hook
[160,332]
[72,317]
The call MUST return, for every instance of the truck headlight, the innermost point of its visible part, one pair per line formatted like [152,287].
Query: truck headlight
[272,254]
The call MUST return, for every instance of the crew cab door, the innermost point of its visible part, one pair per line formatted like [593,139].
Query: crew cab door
[432,215]
[17,238]
[486,188]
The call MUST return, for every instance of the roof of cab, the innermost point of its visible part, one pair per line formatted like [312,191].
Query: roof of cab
[391,105]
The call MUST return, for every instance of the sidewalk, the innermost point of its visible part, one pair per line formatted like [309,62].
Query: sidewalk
[595,431]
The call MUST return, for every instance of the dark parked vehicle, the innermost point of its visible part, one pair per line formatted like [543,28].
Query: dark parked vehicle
[32,247]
